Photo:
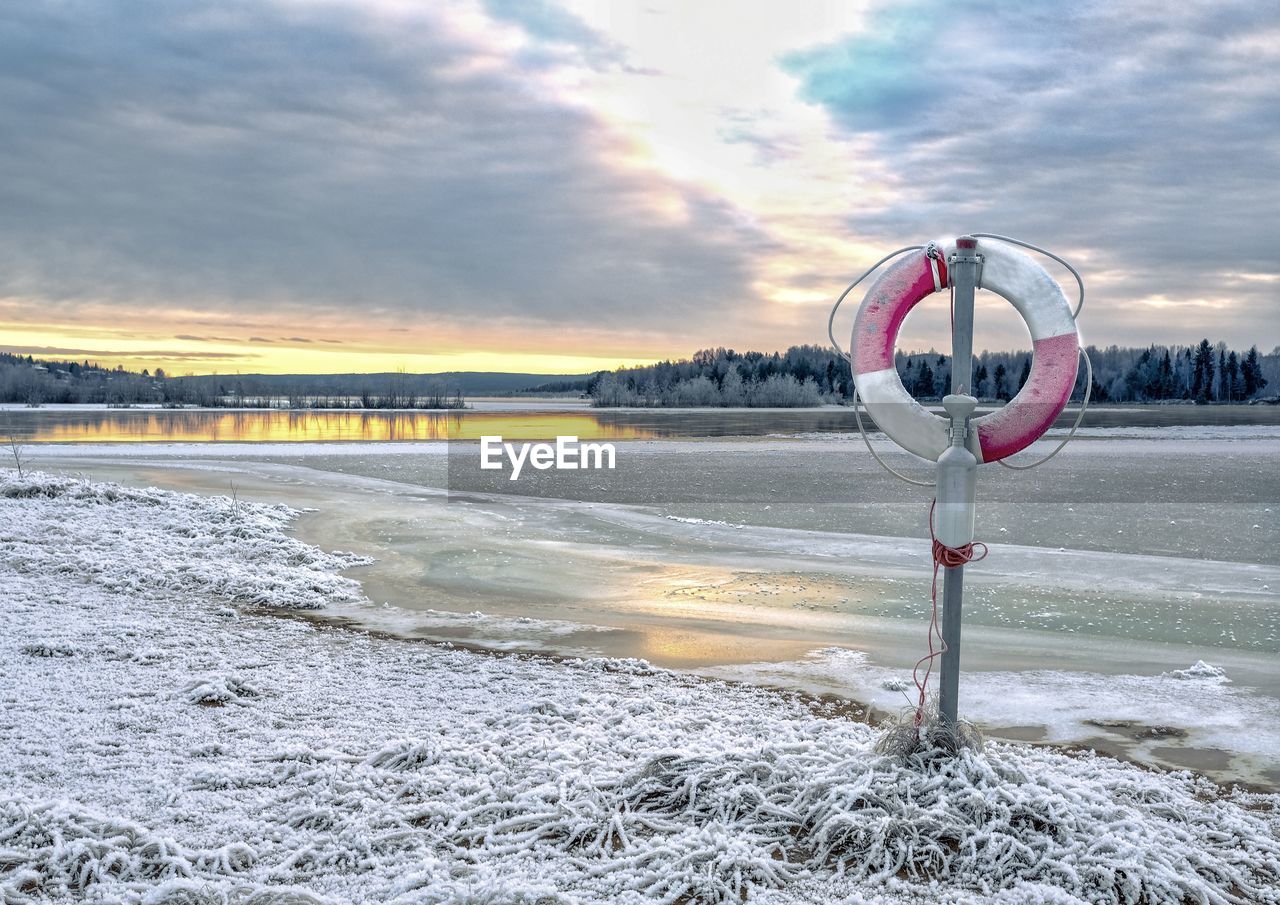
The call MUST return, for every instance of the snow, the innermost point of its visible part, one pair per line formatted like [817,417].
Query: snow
[1201,670]
[158,750]
[128,541]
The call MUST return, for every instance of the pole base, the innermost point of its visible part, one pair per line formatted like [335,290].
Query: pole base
[934,737]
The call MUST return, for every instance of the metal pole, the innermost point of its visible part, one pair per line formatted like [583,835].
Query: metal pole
[964,280]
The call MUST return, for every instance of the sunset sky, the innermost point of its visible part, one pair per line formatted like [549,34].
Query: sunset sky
[320,185]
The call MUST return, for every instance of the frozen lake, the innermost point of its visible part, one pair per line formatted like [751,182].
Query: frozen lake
[795,561]
[513,419]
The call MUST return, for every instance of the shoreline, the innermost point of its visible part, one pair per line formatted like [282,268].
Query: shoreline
[378,507]
[827,705]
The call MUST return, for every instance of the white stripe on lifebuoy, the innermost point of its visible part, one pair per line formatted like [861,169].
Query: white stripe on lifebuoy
[1007,272]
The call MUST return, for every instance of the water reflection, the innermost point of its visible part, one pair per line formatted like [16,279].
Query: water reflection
[290,427]
[283,426]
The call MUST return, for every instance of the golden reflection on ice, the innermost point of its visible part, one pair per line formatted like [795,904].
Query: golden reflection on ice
[290,427]
[675,647]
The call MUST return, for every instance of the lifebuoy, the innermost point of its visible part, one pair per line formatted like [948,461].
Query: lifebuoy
[1007,272]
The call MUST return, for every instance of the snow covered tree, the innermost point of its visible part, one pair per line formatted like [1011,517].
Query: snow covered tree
[732,392]
[999,382]
[1202,376]
[1231,378]
[924,380]
[1251,374]
[942,377]
[1164,378]
[980,380]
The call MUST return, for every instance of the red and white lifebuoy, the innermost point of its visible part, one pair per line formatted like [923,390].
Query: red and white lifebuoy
[1007,272]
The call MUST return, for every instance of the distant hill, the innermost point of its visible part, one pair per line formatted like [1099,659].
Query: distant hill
[468,383]
[26,379]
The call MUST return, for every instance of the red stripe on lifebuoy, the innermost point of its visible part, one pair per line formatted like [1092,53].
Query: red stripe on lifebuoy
[1016,426]
[898,290]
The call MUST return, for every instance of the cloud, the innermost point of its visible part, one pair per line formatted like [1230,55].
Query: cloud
[325,158]
[558,35]
[1136,138]
[113,354]
[254,339]
[490,171]
[771,145]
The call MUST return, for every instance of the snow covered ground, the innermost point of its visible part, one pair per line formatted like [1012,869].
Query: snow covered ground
[163,740]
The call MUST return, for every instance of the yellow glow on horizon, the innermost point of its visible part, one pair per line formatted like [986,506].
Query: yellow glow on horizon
[785,295]
[179,357]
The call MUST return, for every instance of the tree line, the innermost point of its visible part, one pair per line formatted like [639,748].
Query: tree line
[811,375]
[35,382]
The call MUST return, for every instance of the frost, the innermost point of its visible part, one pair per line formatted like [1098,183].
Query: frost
[58,849]
[703,521]
[401,755]
[175,542]
[634,666]
[188,892]
[1201,670]
[218,691]
[481,889]
[212,749]
[184,892]
[347,767]
[47,649]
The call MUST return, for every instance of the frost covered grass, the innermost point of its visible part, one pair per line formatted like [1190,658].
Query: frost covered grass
[159,746]
[136,542]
